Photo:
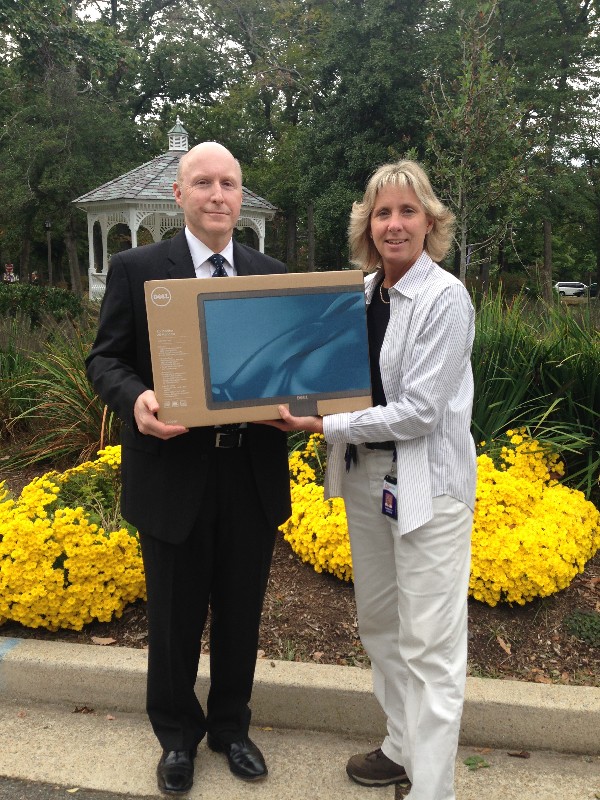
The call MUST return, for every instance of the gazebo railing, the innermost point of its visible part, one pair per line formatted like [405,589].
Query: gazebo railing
[97,284]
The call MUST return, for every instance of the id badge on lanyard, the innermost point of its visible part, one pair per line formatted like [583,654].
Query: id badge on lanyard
[389,497]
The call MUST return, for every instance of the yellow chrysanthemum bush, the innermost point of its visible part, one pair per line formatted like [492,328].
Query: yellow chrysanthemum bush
[66,557]
[531,534]
[317,530]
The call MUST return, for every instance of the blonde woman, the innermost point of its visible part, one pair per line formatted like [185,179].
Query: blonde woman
[406,470]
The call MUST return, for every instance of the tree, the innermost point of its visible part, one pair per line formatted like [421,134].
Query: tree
[554,48]
[274,48]
[587,143]
[77,95]
[367,110]
[51,118]
[476,151]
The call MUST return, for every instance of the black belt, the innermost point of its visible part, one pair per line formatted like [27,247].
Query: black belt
[380,445]
[229,436]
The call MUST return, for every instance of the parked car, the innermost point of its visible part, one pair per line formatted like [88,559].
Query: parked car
[570,288]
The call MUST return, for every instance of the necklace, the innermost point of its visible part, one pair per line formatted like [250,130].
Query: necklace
[383,300]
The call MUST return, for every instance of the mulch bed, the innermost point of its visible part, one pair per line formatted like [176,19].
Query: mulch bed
[312,617]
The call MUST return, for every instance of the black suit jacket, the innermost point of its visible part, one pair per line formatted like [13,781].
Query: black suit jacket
[163,480]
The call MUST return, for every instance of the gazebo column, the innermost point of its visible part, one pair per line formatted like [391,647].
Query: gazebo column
[95,285]
[90,227]
[133,226]
[103,220]
[97,280]
[259,228]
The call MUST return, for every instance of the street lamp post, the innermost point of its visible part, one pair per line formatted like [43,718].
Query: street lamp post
[48,226]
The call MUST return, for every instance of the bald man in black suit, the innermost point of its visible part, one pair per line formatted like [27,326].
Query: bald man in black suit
[206,502]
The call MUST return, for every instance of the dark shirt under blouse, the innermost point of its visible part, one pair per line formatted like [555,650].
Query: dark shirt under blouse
[378,316]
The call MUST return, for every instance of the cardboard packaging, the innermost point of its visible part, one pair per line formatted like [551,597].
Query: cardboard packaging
[230,350]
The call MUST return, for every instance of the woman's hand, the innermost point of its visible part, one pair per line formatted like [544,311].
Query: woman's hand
[291,423]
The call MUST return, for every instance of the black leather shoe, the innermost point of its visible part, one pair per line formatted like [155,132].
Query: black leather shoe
[245,759]
[175,771]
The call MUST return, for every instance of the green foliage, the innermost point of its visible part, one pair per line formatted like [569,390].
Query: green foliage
[505,353]
[58,143]
[569,372]
[14,367]
[39,303]
[311,97]
[539,368]
[67,420]
[475,763]
[550,43]
[584,625]
[476,148]
[370,72]
[98,490]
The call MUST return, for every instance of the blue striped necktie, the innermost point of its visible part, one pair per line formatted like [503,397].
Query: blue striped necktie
[217,260]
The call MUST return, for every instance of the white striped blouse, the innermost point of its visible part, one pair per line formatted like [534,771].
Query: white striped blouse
[426,371]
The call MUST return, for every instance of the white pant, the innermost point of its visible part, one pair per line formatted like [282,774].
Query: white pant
[411,597]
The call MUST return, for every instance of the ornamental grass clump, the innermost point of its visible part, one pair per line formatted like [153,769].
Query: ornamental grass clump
[60,568]
[531,534]
[317,530]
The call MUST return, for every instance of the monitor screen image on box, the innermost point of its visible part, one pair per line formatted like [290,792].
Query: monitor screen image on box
[294,346]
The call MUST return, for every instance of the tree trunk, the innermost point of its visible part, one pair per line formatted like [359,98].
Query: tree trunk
[597,278]
[74,273]
[24,259]
[484,274]
[456,261]
[463,247]
[310,224]
[291,236]
[547,268]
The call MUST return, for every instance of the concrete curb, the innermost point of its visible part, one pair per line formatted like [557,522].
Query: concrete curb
[499,714]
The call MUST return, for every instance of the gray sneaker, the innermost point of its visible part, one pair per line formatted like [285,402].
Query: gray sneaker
[375,769]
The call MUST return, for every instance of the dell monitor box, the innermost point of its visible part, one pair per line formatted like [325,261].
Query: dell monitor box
[233,349]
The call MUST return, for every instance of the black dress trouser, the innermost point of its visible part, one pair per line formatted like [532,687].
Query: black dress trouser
[223,564]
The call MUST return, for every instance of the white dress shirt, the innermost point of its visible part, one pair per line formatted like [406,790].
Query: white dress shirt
[428,382]
[201,253]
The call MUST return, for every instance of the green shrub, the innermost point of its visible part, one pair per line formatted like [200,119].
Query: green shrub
[37,303]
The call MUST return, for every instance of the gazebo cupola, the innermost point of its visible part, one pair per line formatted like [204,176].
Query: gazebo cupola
[178,137]
[144,198]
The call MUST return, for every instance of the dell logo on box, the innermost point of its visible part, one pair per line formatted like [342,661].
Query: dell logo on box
[161,296]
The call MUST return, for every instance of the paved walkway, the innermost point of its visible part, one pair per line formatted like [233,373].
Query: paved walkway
[117,752]
[108,745]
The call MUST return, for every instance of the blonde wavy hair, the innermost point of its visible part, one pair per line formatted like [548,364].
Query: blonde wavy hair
[405,173]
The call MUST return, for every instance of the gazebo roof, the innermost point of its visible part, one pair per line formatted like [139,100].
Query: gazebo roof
[154,181]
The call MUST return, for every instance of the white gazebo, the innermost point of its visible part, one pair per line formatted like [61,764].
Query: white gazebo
[144,198]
